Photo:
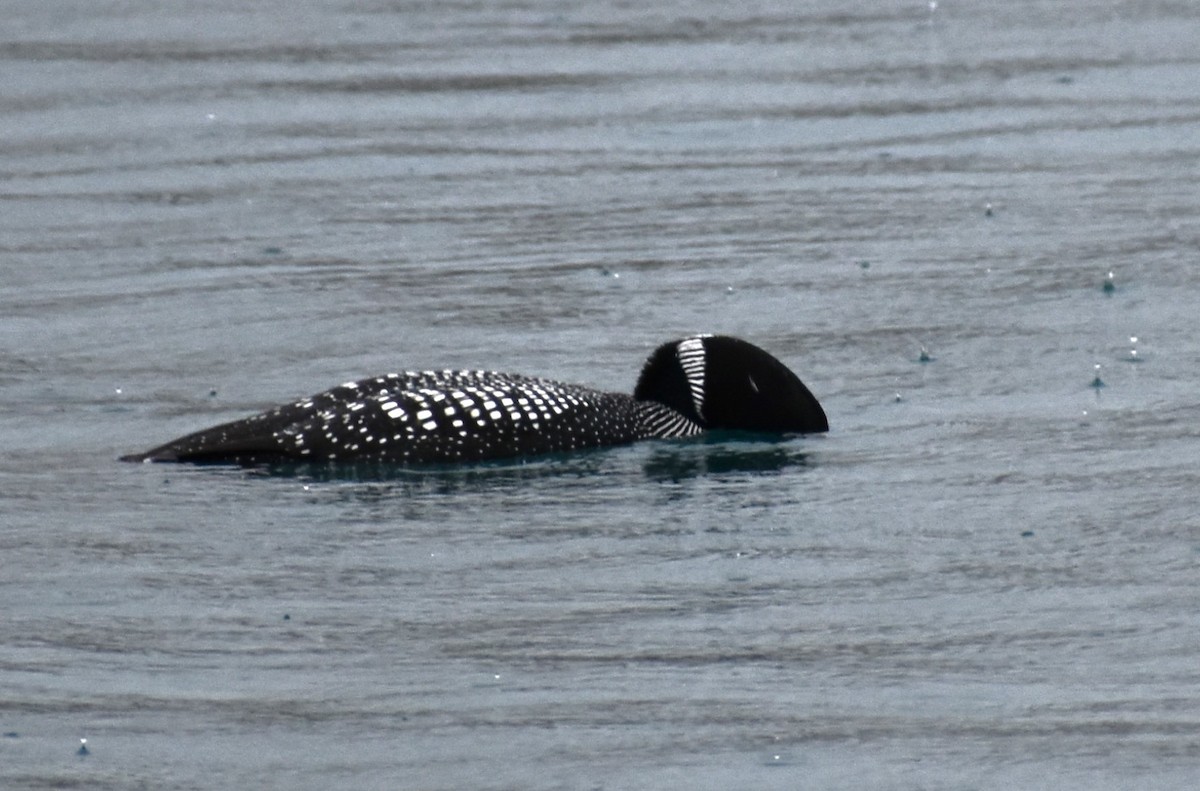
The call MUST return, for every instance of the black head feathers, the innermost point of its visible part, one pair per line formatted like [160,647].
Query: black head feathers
[721,382]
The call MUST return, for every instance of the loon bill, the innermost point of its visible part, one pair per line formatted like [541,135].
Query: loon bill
[686,387]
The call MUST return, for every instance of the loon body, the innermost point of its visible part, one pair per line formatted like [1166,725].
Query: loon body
[686,387]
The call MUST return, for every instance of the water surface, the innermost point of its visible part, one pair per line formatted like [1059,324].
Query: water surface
[983,577]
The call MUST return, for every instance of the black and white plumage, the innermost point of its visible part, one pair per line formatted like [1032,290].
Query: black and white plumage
[686,387]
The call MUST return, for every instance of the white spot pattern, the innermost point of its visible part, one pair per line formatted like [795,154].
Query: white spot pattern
[450,416]
[442,417]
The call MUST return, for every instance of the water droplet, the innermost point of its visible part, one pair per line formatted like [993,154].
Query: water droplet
[1133,352]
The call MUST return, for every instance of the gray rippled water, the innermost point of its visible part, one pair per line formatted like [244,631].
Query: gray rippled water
[949,219]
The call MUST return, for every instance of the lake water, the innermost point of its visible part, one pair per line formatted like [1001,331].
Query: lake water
[984,576]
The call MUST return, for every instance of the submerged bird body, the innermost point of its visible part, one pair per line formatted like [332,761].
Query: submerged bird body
[429,417]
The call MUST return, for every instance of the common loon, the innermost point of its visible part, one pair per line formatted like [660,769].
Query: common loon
[686,387]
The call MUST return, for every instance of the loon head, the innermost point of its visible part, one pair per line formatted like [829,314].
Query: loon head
[726,383]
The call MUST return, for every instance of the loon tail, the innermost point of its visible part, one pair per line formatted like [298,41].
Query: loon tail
[250,439]
[243,448]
